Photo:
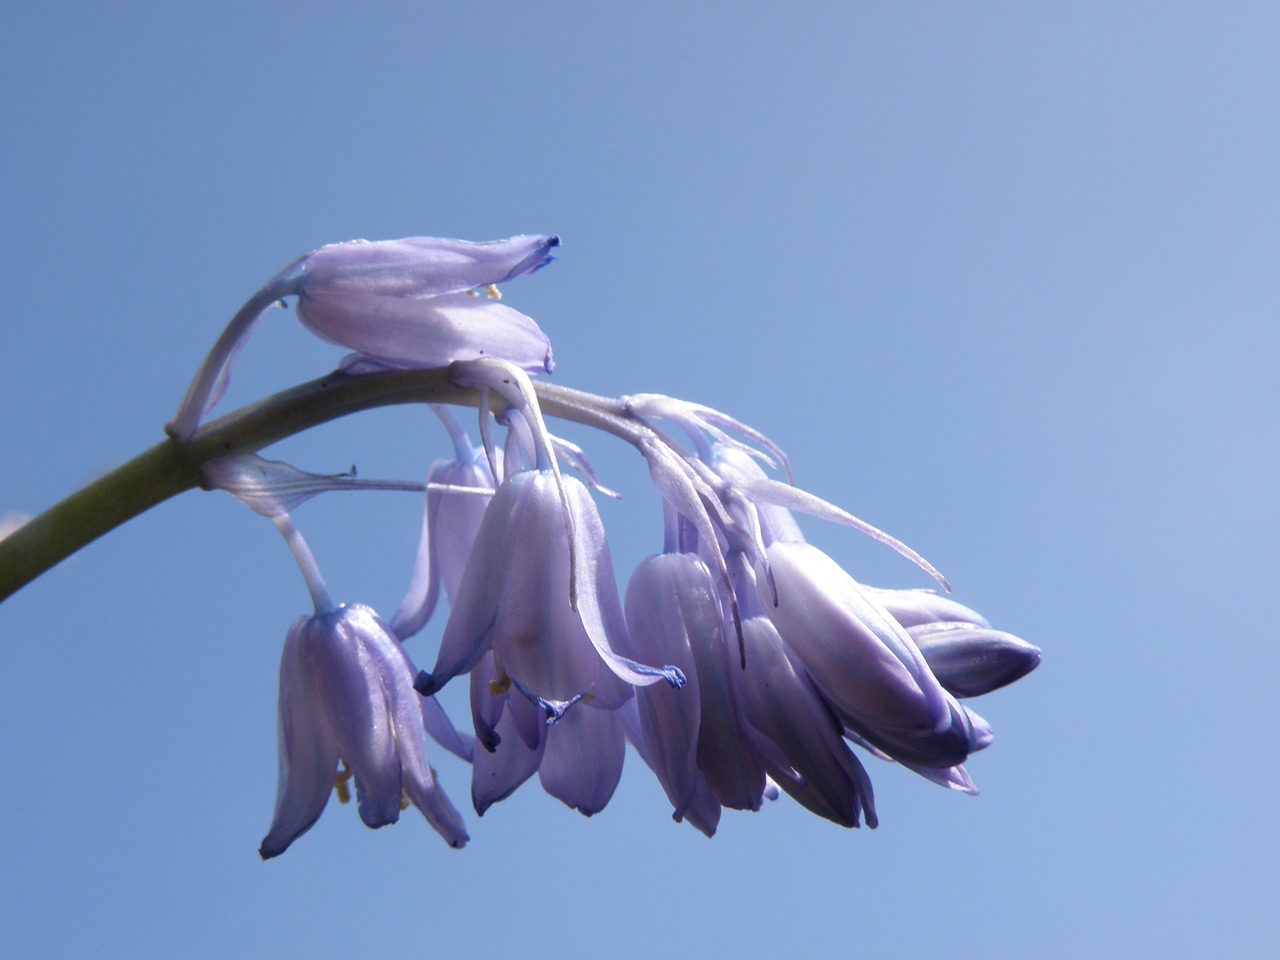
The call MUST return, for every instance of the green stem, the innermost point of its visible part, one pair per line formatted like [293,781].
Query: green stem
[171,467]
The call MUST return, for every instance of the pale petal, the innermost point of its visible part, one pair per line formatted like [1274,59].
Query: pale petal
[428,333]
[582,763]
[418,267]
[308,753]
[355,706]
[669,597]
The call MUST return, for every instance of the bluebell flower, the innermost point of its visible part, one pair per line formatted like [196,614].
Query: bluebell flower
[539,591]
[346,695]
[402,303]
[409,302]
[458,493]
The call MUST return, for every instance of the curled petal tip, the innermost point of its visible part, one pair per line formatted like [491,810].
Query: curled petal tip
[426,684]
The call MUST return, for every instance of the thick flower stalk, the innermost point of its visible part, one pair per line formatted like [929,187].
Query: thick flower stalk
[744,663]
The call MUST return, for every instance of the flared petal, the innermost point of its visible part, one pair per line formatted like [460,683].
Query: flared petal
[599,607]
[308,754]
[496,774]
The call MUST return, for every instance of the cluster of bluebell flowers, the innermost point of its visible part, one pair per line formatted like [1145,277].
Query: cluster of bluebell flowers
[741,661]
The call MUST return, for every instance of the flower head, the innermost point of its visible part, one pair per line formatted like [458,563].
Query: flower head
[517,598]
[400,303]
[408,302]
[346,695]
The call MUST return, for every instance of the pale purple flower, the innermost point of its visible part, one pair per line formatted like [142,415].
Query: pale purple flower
[750,719]
[797,737]
[403,303]
[577,750]
[539,591]
[458,493]
[346,695]
[408,302]
[672,608]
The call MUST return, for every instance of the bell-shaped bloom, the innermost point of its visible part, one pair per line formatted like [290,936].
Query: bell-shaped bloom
[408,302]
[403,303]
[539,591]
[346,694]
[672,608]
[458,493]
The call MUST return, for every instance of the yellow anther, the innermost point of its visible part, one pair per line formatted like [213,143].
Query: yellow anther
[492,290]
[404,801]
[498,687]
[340,784]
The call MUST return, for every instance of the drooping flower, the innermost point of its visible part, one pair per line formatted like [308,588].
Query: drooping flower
[403,303]
[539,591]
[862,659]
[408,302]
[346,695]
[458,493]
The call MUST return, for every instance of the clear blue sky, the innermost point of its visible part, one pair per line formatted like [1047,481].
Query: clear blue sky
[1001,278]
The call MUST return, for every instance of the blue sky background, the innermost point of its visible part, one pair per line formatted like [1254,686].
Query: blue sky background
[1001,278]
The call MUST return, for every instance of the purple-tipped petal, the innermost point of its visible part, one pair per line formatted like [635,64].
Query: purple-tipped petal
[420,267]
[511,733]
